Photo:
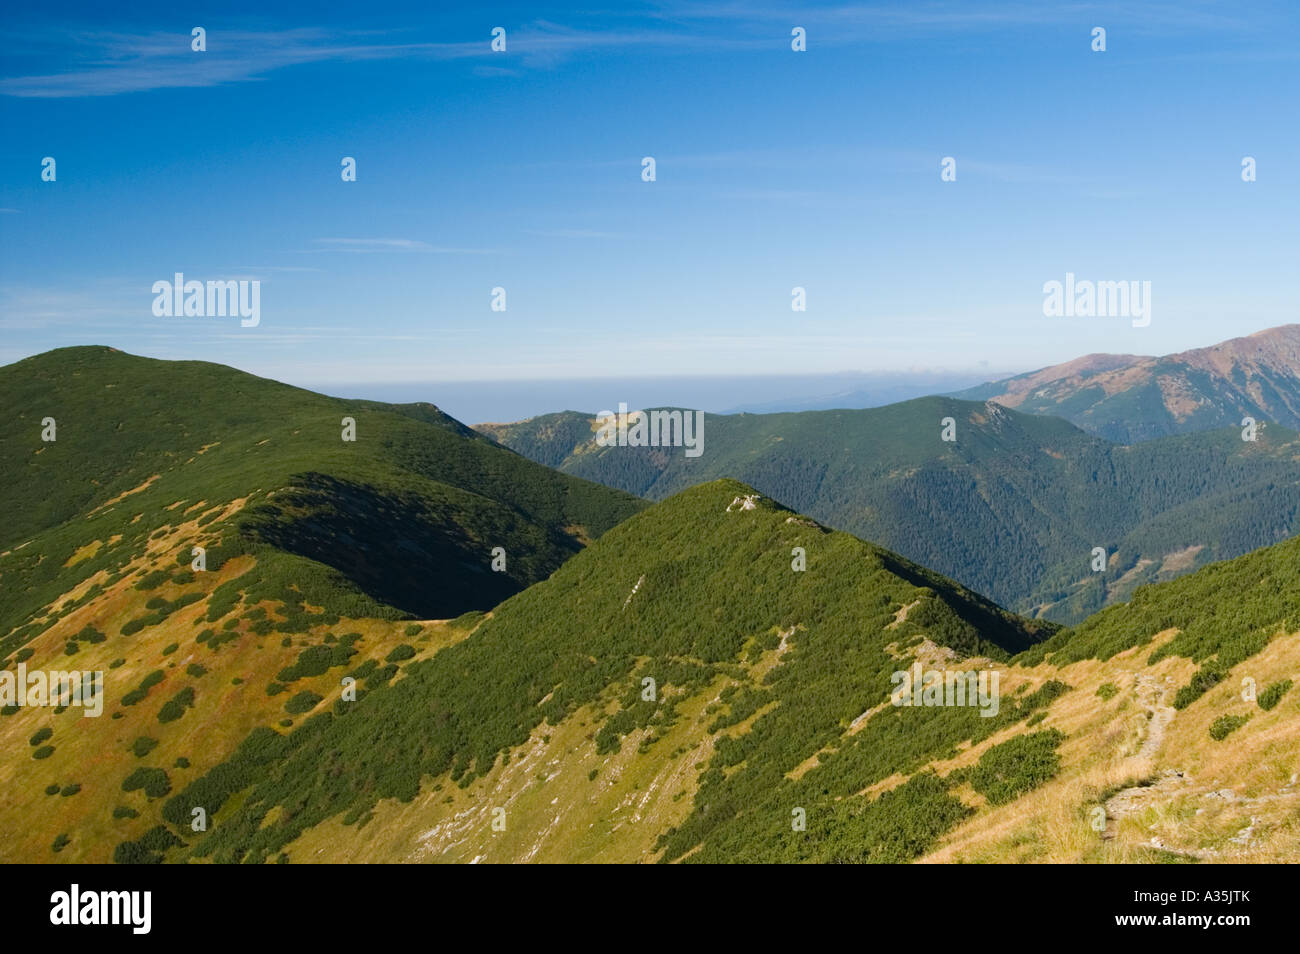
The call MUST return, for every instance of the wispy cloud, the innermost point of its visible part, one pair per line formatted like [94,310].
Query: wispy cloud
[105,63]
[887,19]
[366,245]
[95,63]
[277,268]
[577,234]
[100,306]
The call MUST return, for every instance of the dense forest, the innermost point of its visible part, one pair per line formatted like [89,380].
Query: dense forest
[1012,507]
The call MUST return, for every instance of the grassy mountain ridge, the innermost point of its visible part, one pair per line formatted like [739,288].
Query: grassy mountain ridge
[706,681]
[1013,507]
[1131,398]
[646,601]
[532,738]
[417,499]
[318,552]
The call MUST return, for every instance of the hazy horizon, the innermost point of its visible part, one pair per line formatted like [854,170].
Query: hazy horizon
[484,402]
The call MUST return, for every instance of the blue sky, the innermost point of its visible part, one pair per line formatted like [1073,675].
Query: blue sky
[522,170]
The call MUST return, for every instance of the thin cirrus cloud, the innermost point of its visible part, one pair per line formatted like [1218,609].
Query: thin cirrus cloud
[108,64]
[849,20]
[370,245]
[99,63]
[577,234]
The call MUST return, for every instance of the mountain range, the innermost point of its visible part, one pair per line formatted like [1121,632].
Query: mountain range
[310,656]
[1013,506]
[1129,398]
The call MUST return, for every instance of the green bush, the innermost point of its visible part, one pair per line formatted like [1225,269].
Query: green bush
[148,850]
[152,580]
[72,789]
[41,735]
[1107,691]
[44,752]
[175,707]
[1007,771]
[1271,696]
[1202,681]
[153,781]
[121,811]
[140,692]
[89,634]
[304,701]
[143,745]
[1224,726]
[318,660]
[400,653]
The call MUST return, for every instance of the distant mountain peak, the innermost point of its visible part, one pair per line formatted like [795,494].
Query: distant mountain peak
[1128,398]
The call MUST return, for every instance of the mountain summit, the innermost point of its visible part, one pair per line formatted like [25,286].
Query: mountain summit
[1130,398]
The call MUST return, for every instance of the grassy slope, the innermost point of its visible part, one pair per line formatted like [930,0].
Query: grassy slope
[759,668]
[308,539]
[1013,508]
[230,699]
[771,696]
[1180,657]
[403,517]
[799,722]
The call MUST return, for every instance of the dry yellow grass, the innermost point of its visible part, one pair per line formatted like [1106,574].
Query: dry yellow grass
[95,752]
[1204,794]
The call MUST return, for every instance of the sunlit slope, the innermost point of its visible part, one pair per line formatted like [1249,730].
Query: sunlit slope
[1182,728]
[191,663]
[1131,398]
[765,735]
[405,516]
[1157,731]
[762,675]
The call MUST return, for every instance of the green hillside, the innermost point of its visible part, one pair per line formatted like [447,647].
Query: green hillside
[1013,507]
[702,599]
[707,680]
[770,703]
[400,521]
